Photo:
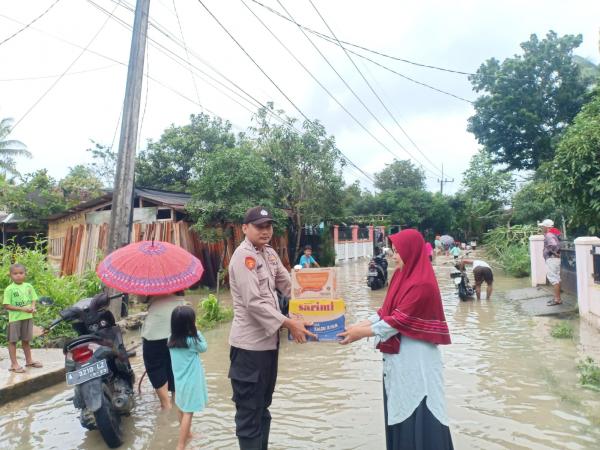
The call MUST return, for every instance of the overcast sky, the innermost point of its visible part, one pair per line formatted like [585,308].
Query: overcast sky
[86,103]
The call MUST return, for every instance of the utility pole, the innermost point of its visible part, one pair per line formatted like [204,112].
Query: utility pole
[122,204]
[443,180]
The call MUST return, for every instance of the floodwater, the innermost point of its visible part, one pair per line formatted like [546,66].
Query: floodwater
[509,385]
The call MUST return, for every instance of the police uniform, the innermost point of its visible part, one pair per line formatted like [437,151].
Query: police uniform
[254,277]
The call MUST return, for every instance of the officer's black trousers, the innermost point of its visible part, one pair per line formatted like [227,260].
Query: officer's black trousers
[253,376]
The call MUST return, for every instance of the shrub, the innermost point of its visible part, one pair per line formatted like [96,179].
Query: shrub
[589,374]
[63,290]
[515,260]
[211,313]
[563,330]
[510,247]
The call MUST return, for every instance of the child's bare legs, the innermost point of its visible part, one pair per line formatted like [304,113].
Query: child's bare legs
[489,292]
[185,429]
[12,352]
[27,351]
[163,396]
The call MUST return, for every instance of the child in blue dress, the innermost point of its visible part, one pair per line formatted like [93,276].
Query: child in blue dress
[185,345]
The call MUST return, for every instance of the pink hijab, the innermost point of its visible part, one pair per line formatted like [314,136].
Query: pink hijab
[413,304]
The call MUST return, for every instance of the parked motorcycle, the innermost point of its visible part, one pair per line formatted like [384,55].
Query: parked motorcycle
[377,275]
[461,281]
[97,364]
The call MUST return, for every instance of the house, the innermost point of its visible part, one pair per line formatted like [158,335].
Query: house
[11,230]
[78,237]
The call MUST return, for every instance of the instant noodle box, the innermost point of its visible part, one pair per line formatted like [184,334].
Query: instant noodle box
[327,316]
[312,284]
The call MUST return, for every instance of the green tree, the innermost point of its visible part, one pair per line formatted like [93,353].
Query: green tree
[10,149]
[230,181]
[575,170]
[535,201]
[400,174]
[306,169]
[104,165]
[80,184]
[528,100]
[176,158]
[485,193]
[36,198]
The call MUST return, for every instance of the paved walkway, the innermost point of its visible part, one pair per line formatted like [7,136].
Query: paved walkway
[533,301]
[15,385]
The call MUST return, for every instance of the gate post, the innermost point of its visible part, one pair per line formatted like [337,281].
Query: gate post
[538,265]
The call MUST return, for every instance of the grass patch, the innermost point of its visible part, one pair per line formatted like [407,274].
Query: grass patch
[211,313]
[562,330]
[589,374]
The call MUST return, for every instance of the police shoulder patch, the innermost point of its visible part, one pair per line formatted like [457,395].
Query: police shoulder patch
[250,262]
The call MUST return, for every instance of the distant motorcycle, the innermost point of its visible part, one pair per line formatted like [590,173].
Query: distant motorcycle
[461,281]
[377,275]
[97,364]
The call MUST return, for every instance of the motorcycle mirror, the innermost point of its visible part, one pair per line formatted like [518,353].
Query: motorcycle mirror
[45,301]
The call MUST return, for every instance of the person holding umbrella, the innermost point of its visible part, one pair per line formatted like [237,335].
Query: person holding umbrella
[158,271]
[255,275]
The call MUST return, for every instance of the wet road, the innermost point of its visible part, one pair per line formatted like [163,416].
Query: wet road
[508,385]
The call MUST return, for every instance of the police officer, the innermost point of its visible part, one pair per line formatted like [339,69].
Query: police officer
[255,273]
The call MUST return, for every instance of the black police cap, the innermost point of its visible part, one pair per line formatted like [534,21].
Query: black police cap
[258,215]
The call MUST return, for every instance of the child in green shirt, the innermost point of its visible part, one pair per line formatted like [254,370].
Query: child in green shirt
[19,300]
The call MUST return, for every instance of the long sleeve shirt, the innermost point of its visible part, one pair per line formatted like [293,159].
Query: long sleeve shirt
[254,277]
[551,246]
[409,376]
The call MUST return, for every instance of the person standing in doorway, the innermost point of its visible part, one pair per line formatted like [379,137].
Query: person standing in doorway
[255,275]
[552,258]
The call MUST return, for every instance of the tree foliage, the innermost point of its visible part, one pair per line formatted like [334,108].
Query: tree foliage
[173,161]
[305,167]
[575,172]
[104,164]
[10,149]
[485,192]
[400,174]
[528,100]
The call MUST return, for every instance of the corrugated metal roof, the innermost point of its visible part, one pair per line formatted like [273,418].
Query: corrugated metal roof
[175,200]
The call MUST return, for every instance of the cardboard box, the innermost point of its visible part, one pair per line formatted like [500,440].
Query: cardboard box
[314,283]
[328,316]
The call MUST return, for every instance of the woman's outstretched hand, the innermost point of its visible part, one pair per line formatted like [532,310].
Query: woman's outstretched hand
[355,333]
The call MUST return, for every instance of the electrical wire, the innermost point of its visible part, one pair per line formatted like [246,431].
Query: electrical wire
[360,100]
[187,54]
[91,41]
[338,43]
[372,89]
[43,77]
[254,61]
[396,58]
[29,24]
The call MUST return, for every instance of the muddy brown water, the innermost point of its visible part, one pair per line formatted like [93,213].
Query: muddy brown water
[509,385]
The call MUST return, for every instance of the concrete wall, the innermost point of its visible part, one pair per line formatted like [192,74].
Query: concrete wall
[538,265]
[354,249]
[588,291]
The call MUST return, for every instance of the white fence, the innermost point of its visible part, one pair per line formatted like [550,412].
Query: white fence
[348,250]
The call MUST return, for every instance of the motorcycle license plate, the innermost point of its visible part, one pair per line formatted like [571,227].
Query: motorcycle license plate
[457,281]
[87,373]
[372,274]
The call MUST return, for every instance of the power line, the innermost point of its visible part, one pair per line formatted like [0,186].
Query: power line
[254,61]
[42,77]
[371,88]
[358,98]
[65,71]
[324,36]
[187,54]
[339,43]
[30,23]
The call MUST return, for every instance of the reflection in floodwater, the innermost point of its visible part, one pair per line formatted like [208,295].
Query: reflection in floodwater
[508,385]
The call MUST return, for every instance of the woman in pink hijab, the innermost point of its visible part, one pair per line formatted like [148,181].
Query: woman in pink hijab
[409,327]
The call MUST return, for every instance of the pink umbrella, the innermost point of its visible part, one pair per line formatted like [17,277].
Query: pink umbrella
[150,268]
